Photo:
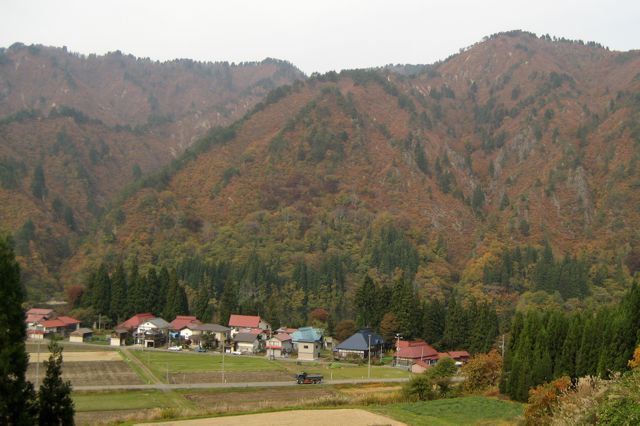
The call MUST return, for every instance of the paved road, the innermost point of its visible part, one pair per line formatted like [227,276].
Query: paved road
[164,386]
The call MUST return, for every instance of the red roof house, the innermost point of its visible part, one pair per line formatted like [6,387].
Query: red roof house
[244,321]
[412,350]
[136,320]
[182,321]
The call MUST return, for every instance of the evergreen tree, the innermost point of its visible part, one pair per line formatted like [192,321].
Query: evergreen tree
[54,396]
[38,186]
[16,394]
[456,329]
[405,306]
[566,362]
[119,309]
[101,290]
[366,304]
[433,320]
[228,303]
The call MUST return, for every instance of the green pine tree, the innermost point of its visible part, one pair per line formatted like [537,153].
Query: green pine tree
[17,397]
[54,396]
[119,309]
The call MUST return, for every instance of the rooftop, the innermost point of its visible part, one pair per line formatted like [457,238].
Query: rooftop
[244,321]
[307,334]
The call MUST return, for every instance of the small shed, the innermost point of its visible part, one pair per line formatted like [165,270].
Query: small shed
[119,337]
[81,335]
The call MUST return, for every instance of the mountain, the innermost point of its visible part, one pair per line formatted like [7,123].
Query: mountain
[516,142]
[75,130]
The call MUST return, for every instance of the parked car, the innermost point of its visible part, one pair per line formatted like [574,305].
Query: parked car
[175,348]
[200,349]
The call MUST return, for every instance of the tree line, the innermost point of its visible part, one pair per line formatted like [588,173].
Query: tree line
[546,345]
[447,325]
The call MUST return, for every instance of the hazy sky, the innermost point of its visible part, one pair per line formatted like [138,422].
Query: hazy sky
[315,36]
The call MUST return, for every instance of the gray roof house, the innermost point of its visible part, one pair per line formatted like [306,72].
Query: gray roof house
[360,344]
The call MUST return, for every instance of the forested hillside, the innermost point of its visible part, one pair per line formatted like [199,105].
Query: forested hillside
[505,175]
[75,130]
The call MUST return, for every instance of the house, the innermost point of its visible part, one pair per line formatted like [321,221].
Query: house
[62,325]
[239,322]
[195,331]
[287,330]
[359,345]
[152,333]
[308,342]
[279,346]
[35,315]
[181,321]
[134,322]
[408,352]
[246,343]
[81,335]
[418,355]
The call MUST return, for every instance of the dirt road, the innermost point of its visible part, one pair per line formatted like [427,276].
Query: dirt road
[351,417]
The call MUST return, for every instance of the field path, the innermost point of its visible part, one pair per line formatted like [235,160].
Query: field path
[150,377]
[156,382]
[351,417]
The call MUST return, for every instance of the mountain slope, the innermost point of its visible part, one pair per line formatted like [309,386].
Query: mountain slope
[76,130]
[514,141]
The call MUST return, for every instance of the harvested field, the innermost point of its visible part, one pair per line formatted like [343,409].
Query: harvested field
[80,356]
[258,399]
[32,347]
[91,373]
[105,417]
[229,377]
[351,417]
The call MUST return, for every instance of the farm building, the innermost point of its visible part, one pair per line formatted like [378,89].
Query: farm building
[359,345]
[279,346]
[134,322]
[308,342]
[119,337]
[41,322]
[81,335]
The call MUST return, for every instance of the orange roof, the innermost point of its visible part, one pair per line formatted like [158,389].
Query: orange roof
[416,349]
[136,320]
[244,321]
[53,323]
[39,311]
[182,321]
[68,320]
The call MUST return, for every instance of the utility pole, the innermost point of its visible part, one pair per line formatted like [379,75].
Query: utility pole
[38,367]
[224,349]
[395,361]
[369,353]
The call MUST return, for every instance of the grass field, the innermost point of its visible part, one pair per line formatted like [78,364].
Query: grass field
[470,410]
[189,367]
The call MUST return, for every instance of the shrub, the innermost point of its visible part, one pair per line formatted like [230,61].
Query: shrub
[482,371]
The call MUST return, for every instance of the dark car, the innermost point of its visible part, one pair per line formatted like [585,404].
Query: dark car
[304,378]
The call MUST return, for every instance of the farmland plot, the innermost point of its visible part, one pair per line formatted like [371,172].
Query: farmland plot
[92,373]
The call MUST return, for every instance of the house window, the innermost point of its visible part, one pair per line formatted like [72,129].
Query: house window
[306,346]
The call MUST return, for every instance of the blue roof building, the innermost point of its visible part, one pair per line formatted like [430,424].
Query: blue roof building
[308,342]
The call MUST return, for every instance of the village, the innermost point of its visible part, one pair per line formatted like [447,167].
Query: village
[244,335]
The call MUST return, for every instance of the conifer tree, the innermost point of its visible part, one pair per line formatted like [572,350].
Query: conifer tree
[38,186]
[54,397]
[366,304]
[16,394]
[119,309]
[405,306]
[456,327]
[101,288]
[433,319]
